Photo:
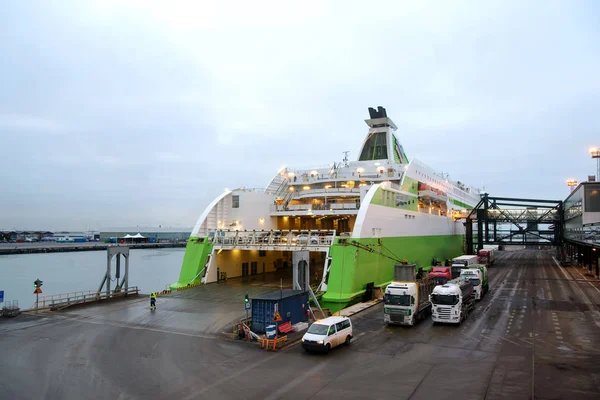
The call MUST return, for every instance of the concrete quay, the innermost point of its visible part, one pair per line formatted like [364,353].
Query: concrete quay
[52,247]
[535,335]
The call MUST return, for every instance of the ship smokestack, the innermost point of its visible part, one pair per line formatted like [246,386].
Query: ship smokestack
[372,113]
[379,113]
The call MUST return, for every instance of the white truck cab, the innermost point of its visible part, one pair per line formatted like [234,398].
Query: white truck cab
[400,307]
[327,333]
[476,278]
[452,302]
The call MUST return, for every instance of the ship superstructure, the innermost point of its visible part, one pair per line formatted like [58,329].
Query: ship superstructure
[354,218]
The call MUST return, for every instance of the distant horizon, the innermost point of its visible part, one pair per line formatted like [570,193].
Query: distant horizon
[102,229]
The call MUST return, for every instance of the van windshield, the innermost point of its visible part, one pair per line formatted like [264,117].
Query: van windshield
[397,300]
[444,299]
[318,329]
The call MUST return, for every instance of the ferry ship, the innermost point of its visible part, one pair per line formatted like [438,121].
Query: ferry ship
[354,220]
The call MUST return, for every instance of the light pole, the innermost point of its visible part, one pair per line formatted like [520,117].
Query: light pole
[596,154]
[571,183]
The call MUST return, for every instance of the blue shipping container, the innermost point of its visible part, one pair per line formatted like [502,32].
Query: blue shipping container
[290,308]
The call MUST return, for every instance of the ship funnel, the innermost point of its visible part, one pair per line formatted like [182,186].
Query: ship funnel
[378,118]
[380,143]
[372,113]
[379,113]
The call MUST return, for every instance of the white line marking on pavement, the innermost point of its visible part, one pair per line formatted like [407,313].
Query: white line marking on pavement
[587,280]
[299,379]
[562,269]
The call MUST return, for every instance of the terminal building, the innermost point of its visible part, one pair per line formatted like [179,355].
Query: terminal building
[152,234]
[582,225]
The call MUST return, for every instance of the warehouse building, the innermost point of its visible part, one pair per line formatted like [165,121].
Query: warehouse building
[152,234]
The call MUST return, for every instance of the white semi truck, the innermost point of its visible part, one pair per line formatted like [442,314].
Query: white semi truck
[453,301]
[478,275]
[406,299]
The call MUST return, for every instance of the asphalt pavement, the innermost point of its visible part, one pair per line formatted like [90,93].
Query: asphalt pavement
[536,334]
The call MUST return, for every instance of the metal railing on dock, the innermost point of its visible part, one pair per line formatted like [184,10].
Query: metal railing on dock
[11,308]
[64,300]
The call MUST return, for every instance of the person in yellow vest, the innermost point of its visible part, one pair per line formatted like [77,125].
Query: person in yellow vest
[153,301]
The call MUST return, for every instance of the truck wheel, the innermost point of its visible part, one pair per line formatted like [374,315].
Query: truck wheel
[348,339]
[327,348]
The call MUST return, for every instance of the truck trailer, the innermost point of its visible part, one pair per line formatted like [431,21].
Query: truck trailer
[453,301]
[487,257]
[461,262]
[406,299]
[478,275]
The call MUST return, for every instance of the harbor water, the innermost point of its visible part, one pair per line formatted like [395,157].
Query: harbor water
[149,269]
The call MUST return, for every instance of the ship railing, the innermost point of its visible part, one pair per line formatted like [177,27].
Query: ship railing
[367,175]
[63,300]
[327,191]
[283,238]
[316,207]
[256,190]
[322,192]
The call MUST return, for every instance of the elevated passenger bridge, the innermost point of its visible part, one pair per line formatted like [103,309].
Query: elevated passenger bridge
[572,225]
[504,220]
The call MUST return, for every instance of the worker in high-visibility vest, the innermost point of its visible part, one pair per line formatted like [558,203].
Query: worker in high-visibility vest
[153,301]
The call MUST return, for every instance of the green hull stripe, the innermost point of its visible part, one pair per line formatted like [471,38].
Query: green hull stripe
[352,268]
[460,204]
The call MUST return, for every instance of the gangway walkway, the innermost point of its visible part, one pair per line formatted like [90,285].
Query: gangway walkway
[60,301]
[282,240]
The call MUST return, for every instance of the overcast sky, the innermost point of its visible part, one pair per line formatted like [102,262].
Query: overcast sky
[120,113]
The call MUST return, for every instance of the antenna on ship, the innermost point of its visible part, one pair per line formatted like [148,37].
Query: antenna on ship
[345,160]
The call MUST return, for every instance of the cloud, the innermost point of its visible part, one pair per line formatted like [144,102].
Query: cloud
[31,124]
[170,103]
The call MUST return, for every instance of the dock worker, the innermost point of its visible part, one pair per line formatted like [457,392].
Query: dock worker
[153,301]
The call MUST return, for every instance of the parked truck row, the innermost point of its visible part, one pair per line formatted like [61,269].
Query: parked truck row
[448,294]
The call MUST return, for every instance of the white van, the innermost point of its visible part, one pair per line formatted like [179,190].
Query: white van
[327,333]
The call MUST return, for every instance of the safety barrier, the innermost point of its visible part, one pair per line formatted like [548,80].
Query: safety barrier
[265,343]
[246,322]
[268,344]
[189,285]
[162,292]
